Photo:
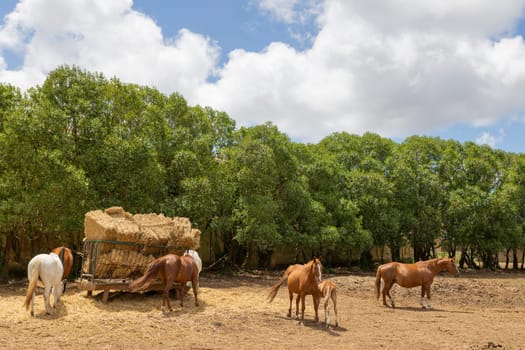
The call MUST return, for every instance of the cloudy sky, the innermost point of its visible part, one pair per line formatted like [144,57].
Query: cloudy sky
[448,68]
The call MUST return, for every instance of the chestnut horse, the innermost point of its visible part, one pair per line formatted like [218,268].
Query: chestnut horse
[48,269]
[66,257]
[329,291]
[412,275]
[302,280]
[170,269]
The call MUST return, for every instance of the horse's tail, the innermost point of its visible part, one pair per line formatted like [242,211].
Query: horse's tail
[378,281]
[148,278]
[33,279]
[275,287]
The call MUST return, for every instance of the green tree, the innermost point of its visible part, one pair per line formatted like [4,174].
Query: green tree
[417,192]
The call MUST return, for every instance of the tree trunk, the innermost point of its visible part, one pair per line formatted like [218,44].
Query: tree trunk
[4,259]
[507,258]
[514,259]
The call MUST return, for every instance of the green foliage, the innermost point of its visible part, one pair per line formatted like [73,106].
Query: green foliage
[82,141]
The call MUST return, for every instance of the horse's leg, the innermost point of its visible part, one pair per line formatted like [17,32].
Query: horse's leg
[166,294]
[386,292]
[316,300]
[47,296]
[297,299]
[57,292]
[427,290]
[195,287]
[181,291]
[303,306]
[290,295]
[422,296]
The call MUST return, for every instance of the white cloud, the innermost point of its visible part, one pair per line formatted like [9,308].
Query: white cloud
[290,11]
[395,67]
[486,139]
[106,36]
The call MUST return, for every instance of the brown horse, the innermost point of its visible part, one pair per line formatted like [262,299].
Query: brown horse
[170,269]
[66,256]
[412,275]
[329,291]
[302,280]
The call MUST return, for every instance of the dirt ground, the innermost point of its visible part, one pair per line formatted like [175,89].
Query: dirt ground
[474,311]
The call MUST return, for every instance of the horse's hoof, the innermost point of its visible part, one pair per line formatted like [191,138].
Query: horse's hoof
[32,314]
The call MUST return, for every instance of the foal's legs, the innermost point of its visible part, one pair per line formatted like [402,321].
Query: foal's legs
[327,309]
[334,300]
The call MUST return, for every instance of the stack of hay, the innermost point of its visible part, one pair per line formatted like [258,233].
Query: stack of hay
[147,236]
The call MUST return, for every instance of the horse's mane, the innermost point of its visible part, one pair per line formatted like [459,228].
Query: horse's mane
[434,263]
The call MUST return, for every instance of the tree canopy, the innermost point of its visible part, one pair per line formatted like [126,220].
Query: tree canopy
[82,141]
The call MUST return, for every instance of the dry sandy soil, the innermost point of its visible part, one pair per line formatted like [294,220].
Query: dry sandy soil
[474,311]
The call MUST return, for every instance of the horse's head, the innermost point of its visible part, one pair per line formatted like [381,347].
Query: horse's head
[451,266]
[317,269]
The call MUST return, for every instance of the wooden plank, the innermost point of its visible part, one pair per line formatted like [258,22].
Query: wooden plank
[107,285]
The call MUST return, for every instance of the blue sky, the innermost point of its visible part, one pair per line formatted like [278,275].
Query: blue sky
[452,69]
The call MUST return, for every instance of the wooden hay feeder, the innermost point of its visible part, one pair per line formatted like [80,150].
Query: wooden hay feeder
[118,247]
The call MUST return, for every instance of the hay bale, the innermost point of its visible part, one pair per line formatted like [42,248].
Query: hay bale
[156,229]
[187,239]
[115,212]
[154,235]
[97,226]
[113,225]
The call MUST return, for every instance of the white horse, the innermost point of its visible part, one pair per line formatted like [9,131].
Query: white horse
[48,269]
[197,259]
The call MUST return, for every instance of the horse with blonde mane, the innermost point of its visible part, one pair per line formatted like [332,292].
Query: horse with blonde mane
[302,280]
[48,269]
[329,291]
[420,273]
[66,257]
[170,269]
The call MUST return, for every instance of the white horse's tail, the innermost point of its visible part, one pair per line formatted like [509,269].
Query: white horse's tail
[33,280]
